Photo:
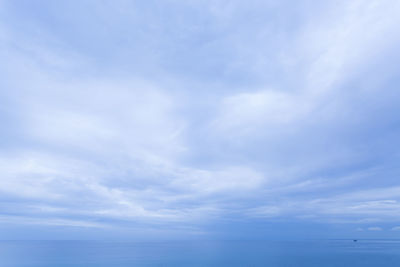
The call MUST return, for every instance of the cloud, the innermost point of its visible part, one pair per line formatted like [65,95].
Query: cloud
[374,228]
[266,211]
[205,112]
[246,113]
[49,222]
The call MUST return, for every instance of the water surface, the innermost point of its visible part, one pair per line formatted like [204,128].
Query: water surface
[228,253]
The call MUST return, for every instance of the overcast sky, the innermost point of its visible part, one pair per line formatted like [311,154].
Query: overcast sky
[199,119]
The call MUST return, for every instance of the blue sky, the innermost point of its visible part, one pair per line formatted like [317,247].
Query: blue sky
[199,119]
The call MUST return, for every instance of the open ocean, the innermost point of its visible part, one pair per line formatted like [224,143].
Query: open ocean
[339,253]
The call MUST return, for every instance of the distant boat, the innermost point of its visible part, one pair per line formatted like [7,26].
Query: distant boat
[355,240]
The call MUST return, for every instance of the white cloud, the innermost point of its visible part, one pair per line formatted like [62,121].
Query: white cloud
[247,113]
[329,50]
[375,228]
[7,219]
[267,211]
[87,125]
[350,35]
[208,181]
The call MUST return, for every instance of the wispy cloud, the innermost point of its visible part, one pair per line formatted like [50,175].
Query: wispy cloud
[116,114]
[375,228]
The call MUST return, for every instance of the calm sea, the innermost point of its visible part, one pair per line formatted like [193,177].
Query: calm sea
[228,253]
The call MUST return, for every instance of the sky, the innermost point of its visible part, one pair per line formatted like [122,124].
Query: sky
[199,119]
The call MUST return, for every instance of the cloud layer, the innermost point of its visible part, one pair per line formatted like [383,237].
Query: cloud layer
[183,116]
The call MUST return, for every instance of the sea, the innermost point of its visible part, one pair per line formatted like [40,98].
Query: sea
[318,253]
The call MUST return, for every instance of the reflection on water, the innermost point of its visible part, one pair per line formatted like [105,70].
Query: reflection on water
[229,253]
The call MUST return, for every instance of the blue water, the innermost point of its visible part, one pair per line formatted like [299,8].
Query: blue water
[228,253]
